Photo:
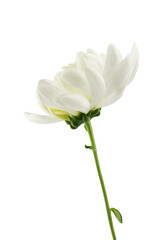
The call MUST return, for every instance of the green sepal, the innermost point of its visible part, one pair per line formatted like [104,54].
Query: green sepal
[90,147]
[68,122]
[117,214]
[73,127]
[85,118]
[85,127]
[95,112]
[76,121]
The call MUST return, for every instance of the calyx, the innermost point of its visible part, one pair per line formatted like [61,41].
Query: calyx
[76,121]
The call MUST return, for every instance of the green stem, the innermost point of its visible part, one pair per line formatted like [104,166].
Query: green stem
[89,129]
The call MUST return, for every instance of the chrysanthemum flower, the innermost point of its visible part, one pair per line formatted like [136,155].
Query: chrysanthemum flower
[79,91]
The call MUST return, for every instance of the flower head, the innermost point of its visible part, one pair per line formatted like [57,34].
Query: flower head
[79,91]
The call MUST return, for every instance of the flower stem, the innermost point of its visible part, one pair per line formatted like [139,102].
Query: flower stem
[89,129]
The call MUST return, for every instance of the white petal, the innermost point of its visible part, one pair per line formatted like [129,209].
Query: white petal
[93,52]
[97,85]
[134,62]
[74,81]
[41,118]
[41,105]
[113,58]
[48,92]
[124,72]
[81,64]
[74,102]
[120,77]
[111,98]
[89,60]
[103,58]
[70,66]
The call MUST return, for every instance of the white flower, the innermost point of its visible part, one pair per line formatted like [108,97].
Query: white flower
[93,81]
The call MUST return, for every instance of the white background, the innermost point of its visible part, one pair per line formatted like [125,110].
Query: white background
[49,187]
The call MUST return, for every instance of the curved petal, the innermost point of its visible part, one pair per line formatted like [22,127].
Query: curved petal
[74,81]
[93,52]
[134,62]
[103,59]
[97,85]
[121,76]
[69,66]
[41,118]
[113,97]
[48,92]
[75,102]
[41,105]
[81,64]
[89,60]
[113,58]
[118,78]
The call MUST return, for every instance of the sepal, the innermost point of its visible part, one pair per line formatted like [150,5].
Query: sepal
[76,121]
